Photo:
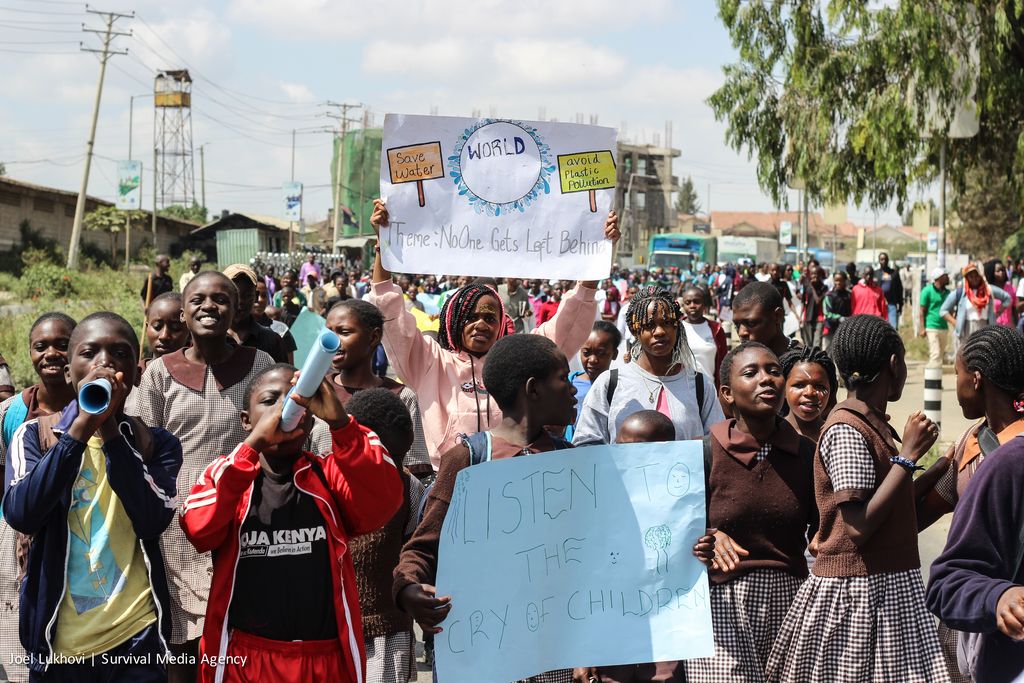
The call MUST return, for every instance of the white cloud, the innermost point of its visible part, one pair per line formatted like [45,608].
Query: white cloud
[297,92]
[437,59]
[409,23]
[555,63]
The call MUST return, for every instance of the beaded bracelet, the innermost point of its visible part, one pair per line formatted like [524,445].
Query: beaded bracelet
[906,464]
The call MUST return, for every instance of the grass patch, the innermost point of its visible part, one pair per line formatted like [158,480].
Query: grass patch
[46,285]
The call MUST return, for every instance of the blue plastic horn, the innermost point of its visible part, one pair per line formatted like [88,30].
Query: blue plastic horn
[318,362]
[94,396]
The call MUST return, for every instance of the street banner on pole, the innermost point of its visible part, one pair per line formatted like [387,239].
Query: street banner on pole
[292,194]
[785,233]
[129,185]
[574,558]
[496,197]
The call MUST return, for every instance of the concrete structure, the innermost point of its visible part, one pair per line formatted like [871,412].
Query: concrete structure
[643,197]
[51,212]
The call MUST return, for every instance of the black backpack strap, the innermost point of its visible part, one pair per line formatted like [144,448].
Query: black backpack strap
[613,382]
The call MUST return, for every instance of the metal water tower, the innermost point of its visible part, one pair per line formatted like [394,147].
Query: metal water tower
[172,131]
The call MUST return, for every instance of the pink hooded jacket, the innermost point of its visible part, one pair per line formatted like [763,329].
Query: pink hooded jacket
[450,385]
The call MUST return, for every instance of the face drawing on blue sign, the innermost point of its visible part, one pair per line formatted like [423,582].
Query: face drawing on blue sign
[615,557]
[678,480]
[532,616]
[659,538]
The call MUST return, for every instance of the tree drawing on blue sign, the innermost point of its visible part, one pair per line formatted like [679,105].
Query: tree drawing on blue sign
[659,538]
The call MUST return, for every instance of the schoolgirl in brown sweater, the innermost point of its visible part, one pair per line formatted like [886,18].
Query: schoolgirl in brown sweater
[760,491]
[387,631]
[861,617]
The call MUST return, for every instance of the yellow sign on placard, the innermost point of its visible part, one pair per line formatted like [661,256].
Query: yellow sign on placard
[586,172]
[416,163]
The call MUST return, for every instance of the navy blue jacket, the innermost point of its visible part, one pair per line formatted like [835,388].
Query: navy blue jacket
[983,558]
[37,499]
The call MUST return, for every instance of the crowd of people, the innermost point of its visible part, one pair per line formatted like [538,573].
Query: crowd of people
[182,519]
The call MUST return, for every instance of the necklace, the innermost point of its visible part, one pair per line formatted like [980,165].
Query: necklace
[651,393]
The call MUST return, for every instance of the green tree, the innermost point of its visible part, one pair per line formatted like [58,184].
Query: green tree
[194,213]
[986,212]
[3,168]
[687,200]
[838,92]
[112,220]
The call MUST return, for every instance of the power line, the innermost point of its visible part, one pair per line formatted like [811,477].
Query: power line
[37,52]
[37,11]
[39,30]
[40,42]
[51,2]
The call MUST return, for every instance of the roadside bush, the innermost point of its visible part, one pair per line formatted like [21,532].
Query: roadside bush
[47,280]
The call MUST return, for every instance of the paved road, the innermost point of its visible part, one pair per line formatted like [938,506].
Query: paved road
[932,541]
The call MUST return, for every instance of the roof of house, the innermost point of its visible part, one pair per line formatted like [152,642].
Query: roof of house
[237,219]
[766,223]
[43,189]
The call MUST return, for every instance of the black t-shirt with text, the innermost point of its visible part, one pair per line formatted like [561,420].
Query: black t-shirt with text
[283,589]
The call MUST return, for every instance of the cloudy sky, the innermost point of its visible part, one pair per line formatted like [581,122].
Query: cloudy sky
[265,67]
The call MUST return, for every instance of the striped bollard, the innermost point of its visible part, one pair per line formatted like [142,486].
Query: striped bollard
[933,394]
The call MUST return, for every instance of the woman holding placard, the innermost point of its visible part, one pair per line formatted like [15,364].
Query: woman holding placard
[446,374]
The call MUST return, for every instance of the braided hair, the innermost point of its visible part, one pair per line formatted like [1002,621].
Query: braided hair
[997,352]
[640,314]
[456,311]
[810,354]
[862,347]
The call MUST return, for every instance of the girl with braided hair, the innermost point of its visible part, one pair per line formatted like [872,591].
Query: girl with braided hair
[446,374]
[989,388]
[977,584]
[860,616]
[811,387]
[661,375]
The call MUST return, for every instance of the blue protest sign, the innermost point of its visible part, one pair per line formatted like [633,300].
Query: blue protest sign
[579,557]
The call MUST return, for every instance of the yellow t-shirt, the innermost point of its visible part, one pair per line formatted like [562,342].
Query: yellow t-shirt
[107,597]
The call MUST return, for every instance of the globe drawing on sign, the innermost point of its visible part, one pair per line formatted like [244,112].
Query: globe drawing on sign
[501,166]
[659,538]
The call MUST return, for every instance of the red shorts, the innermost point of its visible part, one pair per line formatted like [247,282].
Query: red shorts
[251,659]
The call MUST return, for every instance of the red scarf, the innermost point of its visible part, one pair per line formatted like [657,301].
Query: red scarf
[980,296]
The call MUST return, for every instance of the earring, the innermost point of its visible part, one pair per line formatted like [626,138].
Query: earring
[1018,405]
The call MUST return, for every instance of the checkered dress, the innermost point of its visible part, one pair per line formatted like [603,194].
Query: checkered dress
[557,676]
[746,614]
[208,426]
[10,641]
[857,629]
[391,658]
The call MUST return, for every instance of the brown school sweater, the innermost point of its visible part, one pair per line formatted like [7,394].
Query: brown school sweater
[418,562]
[893,546]
[374,556]
[768,506]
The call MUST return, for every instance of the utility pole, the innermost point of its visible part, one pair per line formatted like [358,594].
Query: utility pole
[154,193]
[291,224]
[343,120]
[108,36]
[202,175]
